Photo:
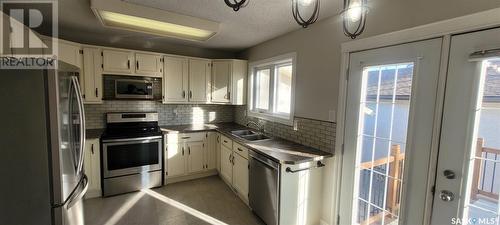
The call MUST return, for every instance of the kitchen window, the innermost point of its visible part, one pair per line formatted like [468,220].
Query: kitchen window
[271,85]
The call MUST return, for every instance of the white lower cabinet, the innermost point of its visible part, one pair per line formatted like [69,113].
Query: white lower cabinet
[92,167]
[195,157]
[226,165]
[240,175]
[189,154]
[176,162]
[300,193]
[217,151]
[211,154]
[234,166]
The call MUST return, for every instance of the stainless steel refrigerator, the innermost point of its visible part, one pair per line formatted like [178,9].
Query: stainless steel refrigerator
[42,134]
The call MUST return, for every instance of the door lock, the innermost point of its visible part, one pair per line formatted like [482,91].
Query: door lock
[449,174]
[447,196]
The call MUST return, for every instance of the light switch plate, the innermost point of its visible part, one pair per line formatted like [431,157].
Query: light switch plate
[331,115]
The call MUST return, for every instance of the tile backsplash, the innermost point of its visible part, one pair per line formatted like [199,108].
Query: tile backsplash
[168,114]
[309,132]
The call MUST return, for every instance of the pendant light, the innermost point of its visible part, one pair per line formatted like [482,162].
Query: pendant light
[354,17]
[297,4]
[235,4]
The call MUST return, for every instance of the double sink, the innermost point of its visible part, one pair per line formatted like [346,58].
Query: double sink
[250,135]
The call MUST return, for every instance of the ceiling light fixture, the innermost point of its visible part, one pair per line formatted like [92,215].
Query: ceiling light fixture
[122,15]
[135,23]
[354,17]
[235,4]
[305,3]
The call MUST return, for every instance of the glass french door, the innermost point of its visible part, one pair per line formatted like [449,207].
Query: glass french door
[390,113]
[468,170]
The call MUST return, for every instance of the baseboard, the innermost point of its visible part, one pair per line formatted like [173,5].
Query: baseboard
[171,180]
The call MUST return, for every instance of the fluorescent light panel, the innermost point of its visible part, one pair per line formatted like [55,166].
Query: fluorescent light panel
[156,27]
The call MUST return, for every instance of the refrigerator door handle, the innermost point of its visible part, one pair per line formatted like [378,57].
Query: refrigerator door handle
[82,123]
[79,193]
[76,195]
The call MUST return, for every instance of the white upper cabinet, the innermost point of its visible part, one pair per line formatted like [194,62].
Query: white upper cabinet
[148,65]
[71,54]
[92,75]
[221,81]
[117,61]
[229,81]
[199,77]
[175,79]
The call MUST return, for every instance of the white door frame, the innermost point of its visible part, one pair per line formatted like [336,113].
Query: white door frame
[444,29]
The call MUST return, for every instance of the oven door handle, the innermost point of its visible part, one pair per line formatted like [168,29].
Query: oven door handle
[131,139]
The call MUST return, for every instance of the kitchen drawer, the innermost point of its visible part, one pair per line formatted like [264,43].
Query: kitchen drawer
[243,151]
[226,141]
[185,137]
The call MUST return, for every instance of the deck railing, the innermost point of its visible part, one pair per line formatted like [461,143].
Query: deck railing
[395,162]
[480,173]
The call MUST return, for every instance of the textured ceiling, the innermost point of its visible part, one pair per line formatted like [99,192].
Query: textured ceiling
[259,21]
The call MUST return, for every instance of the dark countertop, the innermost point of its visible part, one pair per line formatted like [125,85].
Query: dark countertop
[93,133]
[281,150]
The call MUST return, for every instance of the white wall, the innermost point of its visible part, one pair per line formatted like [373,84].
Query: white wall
[318,47]
[318,59]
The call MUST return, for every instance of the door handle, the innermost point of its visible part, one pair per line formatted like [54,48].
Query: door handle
[449,174]
[183,94]
[239,149]
[182,150]
[128,64]
[137,65]
[189,150]
[447,196]
[190,94]
[92,148]
[96,92]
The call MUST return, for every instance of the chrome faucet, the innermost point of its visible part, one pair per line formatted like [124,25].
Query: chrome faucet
[259,126]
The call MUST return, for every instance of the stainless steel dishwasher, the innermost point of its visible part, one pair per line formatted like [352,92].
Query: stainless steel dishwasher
[264,180]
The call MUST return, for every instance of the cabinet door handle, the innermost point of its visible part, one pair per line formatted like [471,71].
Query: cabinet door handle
[92,148]
[218,139]
[183,94]
[96,92]
[189,150]
[239,149]
[128,64]
[137,65]
[225,141]
[182,150]
[190,94]
[229,158]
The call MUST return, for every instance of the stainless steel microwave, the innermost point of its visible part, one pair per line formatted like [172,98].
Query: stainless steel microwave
[133,89]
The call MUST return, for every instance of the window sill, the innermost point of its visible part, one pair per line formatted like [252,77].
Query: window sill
[272,118]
